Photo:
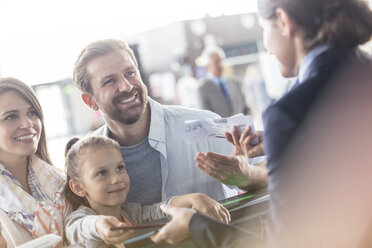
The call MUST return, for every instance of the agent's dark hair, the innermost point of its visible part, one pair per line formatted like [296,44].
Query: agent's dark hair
[94,50]
[75,151]
[345,23]
[27,93]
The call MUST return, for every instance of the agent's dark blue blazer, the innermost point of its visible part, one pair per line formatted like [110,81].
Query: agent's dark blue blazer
[283,121]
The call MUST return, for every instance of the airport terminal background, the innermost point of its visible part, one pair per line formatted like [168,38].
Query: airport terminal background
[166,54]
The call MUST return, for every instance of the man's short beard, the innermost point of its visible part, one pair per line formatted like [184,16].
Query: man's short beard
[130,120]
[121,117]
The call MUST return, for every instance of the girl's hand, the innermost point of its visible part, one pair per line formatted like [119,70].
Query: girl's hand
[243,144]
[204,204]
[117,237]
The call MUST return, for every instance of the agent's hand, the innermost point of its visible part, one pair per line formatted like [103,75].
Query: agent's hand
[204,204]
[243,144]
[116,237]
[178,228]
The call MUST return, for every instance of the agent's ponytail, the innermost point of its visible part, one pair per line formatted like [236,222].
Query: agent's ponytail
[346,23]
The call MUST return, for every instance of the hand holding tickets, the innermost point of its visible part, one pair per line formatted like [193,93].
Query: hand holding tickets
[198,130]
[104,227]
[246,143]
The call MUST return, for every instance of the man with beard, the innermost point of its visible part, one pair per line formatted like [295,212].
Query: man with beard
[159,162]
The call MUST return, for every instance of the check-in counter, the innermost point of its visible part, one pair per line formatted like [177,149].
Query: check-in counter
[248,210]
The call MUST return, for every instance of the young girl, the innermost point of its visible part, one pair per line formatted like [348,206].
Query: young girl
[97,186]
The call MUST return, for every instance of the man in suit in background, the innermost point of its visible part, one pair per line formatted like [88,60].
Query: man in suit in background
[217,93]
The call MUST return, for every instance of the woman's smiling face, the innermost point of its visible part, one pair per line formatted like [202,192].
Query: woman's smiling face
[20,126]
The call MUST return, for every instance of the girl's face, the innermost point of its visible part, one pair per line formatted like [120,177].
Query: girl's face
[20,126]
[280,45]
[104,179]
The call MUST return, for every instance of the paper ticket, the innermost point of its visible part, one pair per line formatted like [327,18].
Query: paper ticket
[198,130]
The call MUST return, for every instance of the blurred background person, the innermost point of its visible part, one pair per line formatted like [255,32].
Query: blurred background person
[187,88]
[217,93]
[255,90]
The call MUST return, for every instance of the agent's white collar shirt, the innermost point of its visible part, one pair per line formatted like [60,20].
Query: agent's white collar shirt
[305,67]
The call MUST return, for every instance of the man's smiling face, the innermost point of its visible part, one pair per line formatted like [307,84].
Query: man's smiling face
[118,90]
